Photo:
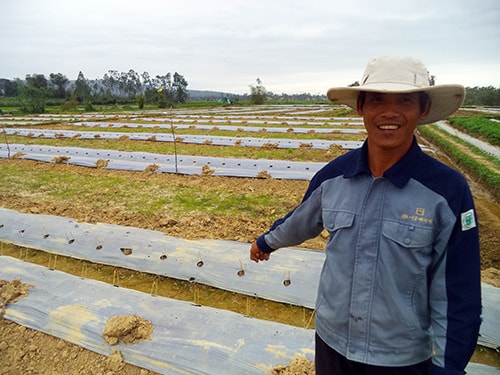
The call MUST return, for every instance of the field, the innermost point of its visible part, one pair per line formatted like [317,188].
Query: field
[192,206]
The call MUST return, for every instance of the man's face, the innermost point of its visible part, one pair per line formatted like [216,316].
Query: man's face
[390,119]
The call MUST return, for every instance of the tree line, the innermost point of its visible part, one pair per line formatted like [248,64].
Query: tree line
[34,92]
[115,87]
[482,96]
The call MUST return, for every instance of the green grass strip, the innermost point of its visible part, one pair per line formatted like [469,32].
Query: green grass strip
[144,196]
[487,177]
[479,127]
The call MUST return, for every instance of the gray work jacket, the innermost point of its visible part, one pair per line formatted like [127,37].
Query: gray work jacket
[401,279]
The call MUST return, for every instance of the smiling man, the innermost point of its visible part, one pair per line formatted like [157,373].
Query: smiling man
[399,291]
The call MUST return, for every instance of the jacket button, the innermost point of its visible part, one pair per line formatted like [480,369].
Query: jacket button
[407,241]
[352,349]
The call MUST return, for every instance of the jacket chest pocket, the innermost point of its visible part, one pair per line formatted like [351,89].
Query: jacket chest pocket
[335,220]
[408,235]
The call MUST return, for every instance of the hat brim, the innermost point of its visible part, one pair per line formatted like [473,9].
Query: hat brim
[445,99]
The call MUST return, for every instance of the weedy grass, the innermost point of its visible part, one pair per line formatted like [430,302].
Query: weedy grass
[229,203]
[147,196]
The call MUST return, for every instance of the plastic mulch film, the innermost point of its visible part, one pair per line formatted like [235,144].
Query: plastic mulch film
[489,334]
[185,339]
[291,276]
[181,164]
[240,120]
[353,128]
[483,146]
[189,139]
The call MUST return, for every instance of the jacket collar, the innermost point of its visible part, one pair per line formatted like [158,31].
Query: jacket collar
[399,174]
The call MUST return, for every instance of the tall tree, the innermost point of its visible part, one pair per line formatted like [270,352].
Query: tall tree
[111,82]
[133,85]
[146,82]
[82,88]
[163,85]
[60,82]
[180,88]
[258,93]
[37,80]
[32,98]
[8,87]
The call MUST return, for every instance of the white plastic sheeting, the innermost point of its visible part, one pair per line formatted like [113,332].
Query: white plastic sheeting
[233,128]
[188,138]
[291,276]
[182,164]
[220,121]
[50,119]
[186,338]
[483,146]
[490,327]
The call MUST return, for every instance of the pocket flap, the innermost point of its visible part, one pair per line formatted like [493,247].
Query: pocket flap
[335,220]
[408,235]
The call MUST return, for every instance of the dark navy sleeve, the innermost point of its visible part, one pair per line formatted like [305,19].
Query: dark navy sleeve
[463,288]
[459,273]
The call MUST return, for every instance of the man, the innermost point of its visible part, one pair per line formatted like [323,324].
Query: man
[399,291]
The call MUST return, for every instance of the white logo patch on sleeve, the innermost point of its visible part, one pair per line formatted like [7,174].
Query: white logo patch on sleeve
[468,220]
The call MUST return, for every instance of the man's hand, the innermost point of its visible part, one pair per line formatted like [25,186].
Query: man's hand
[256,254]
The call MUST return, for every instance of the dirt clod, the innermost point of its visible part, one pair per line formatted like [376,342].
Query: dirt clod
[127,329]
[11,292]
[299,365]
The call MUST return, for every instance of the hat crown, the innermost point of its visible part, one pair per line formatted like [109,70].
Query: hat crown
[408,72]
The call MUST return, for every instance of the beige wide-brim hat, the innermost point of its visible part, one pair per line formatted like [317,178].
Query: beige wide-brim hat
[401,74]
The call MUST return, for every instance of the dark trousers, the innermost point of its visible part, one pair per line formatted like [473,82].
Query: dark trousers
[329,362]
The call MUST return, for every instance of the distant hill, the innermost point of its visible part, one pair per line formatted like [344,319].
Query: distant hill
[209,95]
[214,95]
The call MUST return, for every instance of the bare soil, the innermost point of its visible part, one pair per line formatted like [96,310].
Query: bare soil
[24,351]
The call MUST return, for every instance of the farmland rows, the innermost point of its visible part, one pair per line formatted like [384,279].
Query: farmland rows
[217,348]
[267,125]
[484,146]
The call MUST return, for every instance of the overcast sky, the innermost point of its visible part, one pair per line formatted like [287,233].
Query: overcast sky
[292,46]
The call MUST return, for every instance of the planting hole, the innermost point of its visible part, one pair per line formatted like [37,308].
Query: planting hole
[163,257]
[241,272]
[126,250]
[287,281]
[200,263]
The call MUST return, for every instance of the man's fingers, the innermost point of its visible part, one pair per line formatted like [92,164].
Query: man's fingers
[256,255]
